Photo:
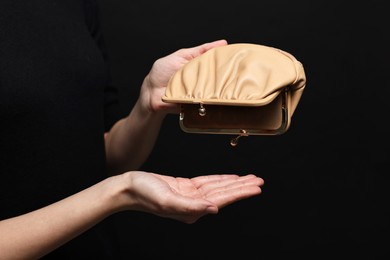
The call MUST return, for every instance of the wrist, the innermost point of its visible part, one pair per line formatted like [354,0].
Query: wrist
[116,190]
[150,98]
[143,113]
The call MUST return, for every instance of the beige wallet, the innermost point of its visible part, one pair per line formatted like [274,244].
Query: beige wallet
[239,89]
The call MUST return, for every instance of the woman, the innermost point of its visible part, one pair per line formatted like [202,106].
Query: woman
[60,137]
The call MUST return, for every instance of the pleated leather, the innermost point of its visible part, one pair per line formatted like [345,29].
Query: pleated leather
[240,74]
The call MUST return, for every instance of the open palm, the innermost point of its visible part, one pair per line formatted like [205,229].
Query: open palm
[188,199]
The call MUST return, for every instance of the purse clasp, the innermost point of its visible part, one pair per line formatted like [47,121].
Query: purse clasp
[234,141]
[202,110]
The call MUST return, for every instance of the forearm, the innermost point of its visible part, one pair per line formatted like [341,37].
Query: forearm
[32,235]
[131,140]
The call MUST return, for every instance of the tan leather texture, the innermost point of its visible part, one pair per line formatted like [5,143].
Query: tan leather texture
[238,75]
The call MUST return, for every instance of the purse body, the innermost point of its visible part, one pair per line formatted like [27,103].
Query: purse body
[239,89]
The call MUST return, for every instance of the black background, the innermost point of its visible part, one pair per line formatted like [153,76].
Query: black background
[326,180]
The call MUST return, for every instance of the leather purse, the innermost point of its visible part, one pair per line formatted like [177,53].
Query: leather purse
[239,89]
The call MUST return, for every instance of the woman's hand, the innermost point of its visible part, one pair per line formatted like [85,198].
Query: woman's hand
[162,70]
[185,199]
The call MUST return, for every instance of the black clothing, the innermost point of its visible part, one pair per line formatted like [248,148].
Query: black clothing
[55,104]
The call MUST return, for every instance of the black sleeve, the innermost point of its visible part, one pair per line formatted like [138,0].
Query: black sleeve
[112,111]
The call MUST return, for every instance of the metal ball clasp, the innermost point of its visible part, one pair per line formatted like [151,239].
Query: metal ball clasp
[202,110]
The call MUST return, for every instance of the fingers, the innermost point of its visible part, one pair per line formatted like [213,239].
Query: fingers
[226,189]
[222,180]
[226,197]
[207,46]
[200,49]
[170,108]
[203,179]
[241,184]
